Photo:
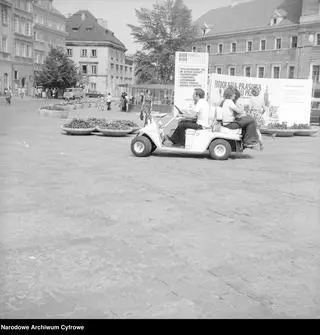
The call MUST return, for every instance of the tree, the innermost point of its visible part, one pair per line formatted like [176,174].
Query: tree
[58,71]
[165,29]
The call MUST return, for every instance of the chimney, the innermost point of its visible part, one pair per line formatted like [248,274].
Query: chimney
[103,23]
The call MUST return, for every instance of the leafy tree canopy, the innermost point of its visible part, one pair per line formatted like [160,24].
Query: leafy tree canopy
[162,31]
[58,71]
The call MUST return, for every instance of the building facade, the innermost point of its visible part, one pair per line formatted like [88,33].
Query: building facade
[272,39]
[6,44]
[97,52]
[49,30]
[19,45]
[22,60]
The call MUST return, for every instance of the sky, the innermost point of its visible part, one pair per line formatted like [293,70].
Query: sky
[119,13]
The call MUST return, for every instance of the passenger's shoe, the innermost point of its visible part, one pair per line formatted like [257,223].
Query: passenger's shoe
[251,145]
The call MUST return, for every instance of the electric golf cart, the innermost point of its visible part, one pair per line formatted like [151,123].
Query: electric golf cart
[217,140]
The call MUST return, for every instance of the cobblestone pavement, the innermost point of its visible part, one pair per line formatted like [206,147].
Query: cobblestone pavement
[90,231]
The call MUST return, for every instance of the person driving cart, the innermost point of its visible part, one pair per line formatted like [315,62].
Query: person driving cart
[200,121]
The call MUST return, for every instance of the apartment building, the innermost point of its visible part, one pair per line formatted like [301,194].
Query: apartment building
[6,40]
[99,54]
[273,39]
[49,30]
[23,23]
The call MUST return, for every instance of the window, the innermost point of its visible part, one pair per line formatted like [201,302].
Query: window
[69,52]
[4,15]
[16,24]
[84,69]
[291,72]
[22,27]
[194,49]
[29,51]
[15,74]
[28,29]
[263,45]
[24,50]
[316,73]
[83,53]
[208,48]
[93,53]
[276,72]
[278,43]
[318,39]
[220,48]
[4,44]
[232,71]
[247,71]
[94,69]
[93,86]
[29,8]
[294,41]
[219,70]
[233,47]
[249,46]
[261,72]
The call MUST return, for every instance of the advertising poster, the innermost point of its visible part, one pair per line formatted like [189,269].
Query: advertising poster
[267,100]
[191,71]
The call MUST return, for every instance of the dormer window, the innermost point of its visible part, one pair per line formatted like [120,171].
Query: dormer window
[278,16]
[204,29]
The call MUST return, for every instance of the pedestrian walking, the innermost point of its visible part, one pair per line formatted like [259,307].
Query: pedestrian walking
[8,95]
[109,101]
[146,107]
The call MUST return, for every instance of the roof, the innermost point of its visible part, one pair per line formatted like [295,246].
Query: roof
[55,11]
[89,29]
[254,14]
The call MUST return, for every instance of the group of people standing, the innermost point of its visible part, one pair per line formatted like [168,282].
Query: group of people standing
[126,101]
[50,93]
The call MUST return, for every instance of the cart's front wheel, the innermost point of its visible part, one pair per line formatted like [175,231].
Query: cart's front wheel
[141,146]
[220,149]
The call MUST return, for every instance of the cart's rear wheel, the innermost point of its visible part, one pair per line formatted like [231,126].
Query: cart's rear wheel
[141,146]
[220,149]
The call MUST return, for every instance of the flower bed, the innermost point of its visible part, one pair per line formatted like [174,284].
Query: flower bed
[282,130]
[102,126]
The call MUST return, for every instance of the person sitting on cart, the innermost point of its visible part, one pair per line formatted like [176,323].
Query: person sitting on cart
[201,119]
[232,119]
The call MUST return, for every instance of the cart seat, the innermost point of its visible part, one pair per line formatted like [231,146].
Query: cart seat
[231,131]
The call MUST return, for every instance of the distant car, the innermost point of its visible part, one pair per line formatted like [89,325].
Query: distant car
[94,94]
[315,116]
[73,93]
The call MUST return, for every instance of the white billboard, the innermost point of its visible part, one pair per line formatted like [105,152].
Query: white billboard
[191,71]
[269,100]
